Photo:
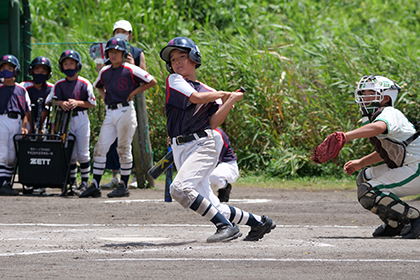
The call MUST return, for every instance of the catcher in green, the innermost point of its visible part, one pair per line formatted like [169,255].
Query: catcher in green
[397,146]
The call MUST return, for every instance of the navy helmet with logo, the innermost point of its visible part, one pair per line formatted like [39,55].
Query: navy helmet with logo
[117,44]
[40,60]
[8,58]
[184,44]
[70,54]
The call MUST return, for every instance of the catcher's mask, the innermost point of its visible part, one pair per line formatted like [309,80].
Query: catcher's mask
[370,92]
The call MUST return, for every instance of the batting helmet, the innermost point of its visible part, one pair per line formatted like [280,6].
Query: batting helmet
[183,44]
[8,58]
[70,54]
[117,44]
[40,60]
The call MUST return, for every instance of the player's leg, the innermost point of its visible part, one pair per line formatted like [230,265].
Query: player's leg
[106,137]
[83,156]
[195,161]
[8,127]
[113,163]
[379,189]
[222,178]
[126,127]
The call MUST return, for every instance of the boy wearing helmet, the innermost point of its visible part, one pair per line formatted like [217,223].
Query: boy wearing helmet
[396,143]
[193,111]
[75,95]
[117,84]
[40,70]
[14,112]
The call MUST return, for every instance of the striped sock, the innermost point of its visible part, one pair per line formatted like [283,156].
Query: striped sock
[241,217]
[203,207]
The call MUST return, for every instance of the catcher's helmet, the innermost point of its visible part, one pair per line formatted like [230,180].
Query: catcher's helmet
[183,44]
[8,58]
[381,86]
[40,60]
[70,54]
[117,44]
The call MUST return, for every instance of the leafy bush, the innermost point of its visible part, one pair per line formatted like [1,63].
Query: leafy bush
[298,60]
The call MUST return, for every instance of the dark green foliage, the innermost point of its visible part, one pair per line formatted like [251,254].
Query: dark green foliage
[298,60]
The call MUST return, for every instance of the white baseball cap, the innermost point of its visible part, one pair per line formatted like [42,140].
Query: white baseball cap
[123,24]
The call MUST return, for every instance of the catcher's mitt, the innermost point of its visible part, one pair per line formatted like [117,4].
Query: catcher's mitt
[330,148]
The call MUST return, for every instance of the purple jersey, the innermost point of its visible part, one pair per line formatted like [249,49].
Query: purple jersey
[14,99]
[35,94]
[80,89]
[184,117]
[120,82]
[227,153]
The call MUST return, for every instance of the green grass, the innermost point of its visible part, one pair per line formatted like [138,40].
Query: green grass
[298,60]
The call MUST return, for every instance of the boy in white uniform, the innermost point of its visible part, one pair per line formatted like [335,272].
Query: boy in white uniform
[380,187]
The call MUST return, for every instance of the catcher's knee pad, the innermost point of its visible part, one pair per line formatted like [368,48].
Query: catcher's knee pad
[366,195]
[361,178]
[391,209]
[184,195]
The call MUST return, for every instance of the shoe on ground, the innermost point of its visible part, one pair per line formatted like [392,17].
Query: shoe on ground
[120,191]
[257,232]
[112,184]
[225,233]
[133,184]
[224,193]
[7,189]
[415,230]
[386,230]
[72,190]
[81,188]
[92,191]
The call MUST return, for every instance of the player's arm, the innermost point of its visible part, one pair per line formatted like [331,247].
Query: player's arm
[141,88]
[80,103]
[206,97]
[142,61]
[366,131]
[353,165]
[24,129]
[219,117]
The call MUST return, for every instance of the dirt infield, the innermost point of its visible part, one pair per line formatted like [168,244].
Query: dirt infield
[319,235]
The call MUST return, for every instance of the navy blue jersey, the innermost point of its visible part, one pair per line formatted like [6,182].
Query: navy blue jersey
[135,52]
[120,82]
[80,89]
[184,117]
[227,153]
[35,94]
[14,99]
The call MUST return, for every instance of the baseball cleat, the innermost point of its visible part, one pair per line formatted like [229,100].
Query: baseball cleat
[224,193]
[386,230]
[225,233]
[120,191]
[415,230]
[7,189]
[257,232]
[92,191]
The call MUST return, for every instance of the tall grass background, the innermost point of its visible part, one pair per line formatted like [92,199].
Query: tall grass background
[299,61]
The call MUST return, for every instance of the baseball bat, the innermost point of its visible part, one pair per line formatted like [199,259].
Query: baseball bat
[161,166]
[168,181]
[38,117]
[32,118]
[167,160]
[51,115]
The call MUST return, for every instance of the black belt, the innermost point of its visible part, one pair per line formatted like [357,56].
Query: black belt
[182,139]
[76,113]
[115,106]
[13,115]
